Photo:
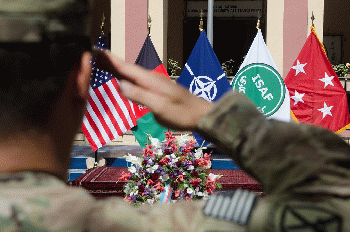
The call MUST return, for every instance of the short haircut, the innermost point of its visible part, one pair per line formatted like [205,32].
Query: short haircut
[34,74]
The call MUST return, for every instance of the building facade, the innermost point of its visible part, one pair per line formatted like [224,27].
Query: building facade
[174,31]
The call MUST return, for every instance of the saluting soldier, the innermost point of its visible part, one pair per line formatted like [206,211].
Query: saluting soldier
[45,58]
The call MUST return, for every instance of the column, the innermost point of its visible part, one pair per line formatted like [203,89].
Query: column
[158,11]
[118,28]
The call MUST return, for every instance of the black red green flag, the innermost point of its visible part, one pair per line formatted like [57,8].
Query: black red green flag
[146,124]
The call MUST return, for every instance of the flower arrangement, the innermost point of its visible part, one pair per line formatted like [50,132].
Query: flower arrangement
[342,69]
[172,163]
[173,66]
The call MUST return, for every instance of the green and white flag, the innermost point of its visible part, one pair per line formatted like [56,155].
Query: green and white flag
[260,81]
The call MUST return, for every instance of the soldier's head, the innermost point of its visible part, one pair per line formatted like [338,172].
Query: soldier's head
[42,45]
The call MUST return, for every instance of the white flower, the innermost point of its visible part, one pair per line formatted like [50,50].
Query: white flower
[134,193]
[132,169]
[173,201]
[150,201]
[159,152]
[189,190]
[185,185]
[183,139]
[152,169]
[214,177]
[164,177]
[133,159]
[191,167]
[199,153]
[200,194]
[156,143]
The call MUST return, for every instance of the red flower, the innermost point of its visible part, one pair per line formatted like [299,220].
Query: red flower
[169,135]
[164,161]
[195,182]
[147,151]
[210,186]
[154,176]
[150,182]
[159,187]
[195,174]
[125,176]
[141,188]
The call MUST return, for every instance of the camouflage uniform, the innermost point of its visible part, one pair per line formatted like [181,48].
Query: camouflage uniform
[304,171]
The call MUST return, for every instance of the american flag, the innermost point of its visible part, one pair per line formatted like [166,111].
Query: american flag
[108,113]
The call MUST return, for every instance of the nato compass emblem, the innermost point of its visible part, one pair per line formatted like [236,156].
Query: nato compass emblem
[263,85]
[203,86]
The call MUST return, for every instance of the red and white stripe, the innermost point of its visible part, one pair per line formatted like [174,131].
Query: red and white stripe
[109,114]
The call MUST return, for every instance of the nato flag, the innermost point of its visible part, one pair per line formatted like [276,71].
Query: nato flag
[203,75]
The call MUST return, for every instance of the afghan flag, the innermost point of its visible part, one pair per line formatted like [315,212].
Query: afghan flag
[260,81]
[146,124]
[317,96]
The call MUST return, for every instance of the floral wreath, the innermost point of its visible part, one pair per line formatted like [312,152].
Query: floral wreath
[169,171]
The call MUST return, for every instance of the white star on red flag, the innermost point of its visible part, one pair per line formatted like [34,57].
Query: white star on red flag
[298,97]
[326,110]
[299,68]
[317,85]
[327,80]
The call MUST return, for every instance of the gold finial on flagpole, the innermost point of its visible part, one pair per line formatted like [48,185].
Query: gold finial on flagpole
[201,21]
[103,23]
[258,23]
[312,19]
[149,21]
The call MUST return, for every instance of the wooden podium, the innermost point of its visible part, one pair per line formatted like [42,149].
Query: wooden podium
[103,182]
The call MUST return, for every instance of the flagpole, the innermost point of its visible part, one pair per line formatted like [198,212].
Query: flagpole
[149,21]
[210,21]
[102,31]
[258,23]
[201,21]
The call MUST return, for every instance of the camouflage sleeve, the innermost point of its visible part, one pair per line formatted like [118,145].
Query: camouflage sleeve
[113,214]
[284,157]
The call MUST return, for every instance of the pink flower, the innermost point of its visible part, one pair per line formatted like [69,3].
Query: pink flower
[210,186]
[169,135]
[150,182]
[159,187]
[125,176]
[188,198]
[207,156]
[177,193]
[128,199]
[181,177]
[164,161]
[147,151]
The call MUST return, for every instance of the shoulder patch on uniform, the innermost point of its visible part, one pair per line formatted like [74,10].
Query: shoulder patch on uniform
[235,206]
[309,218]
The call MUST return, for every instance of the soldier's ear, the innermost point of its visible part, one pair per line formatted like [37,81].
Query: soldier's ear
[81,75]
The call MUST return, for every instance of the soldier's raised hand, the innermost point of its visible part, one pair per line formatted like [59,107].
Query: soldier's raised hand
[173,106]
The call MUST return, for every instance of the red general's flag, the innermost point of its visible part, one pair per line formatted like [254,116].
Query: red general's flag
[146,124]
[316,94]
[108,113]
